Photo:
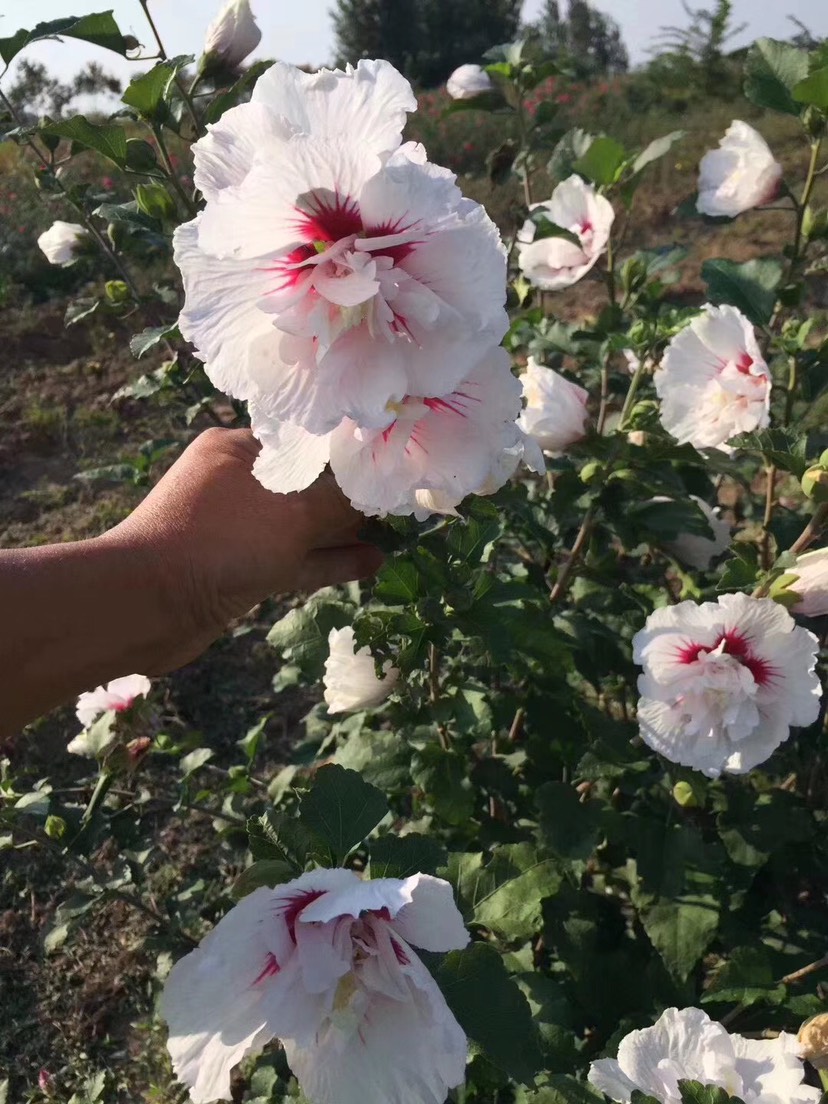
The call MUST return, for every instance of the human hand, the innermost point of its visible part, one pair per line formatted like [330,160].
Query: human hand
[219,542]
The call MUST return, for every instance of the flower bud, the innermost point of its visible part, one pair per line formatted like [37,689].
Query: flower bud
[684,796]
[45,1082]
[808,583]
[54,827]
[155,201]
[592,472]
[815,484]
[231,36]
[813,1037]
[116,292]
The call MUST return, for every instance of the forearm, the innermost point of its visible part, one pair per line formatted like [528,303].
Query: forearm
[77,615]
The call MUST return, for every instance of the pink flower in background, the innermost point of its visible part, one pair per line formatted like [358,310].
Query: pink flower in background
[119,694]
[555,413]
[742,173]
[350,680]
[107,183]
[325,964]
[713,383]
[553,263]
[724,682]
[686,1045]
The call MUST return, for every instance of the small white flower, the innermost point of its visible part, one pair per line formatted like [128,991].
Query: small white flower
[686,1045]
[232,35]
[350,680]
[467,82]
[740,174]
[325,964]
[812,583]
[724,682]
[117,695]
[554,263]
[555,413]
[333,271]
[435,452]
[61,243]
[713,382]
[699,552]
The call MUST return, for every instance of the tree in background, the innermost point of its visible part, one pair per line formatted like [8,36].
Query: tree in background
[587,41]
[424,39]
[697,52]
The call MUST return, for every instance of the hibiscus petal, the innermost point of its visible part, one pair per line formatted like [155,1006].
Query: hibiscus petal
[431,920]
[291,458]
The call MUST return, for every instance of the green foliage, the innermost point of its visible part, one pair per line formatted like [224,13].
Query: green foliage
[772,71]
[341,809]
[751,287]
[99,28]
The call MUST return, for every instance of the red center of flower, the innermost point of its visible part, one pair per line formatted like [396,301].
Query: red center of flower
[291,908]
[744,364]
[736,645]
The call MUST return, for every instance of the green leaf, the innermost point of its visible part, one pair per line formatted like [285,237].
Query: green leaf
[656,149]
[785,447]
[563,1089]
[693,1092]
[266,872]
[150,337]
[302,634]
[513,909]
[546,228]
[195,759]
[150,92]
[640,1098]
[341,808]
[814,89]
[98,28]
[442,775]
[681,930]
[398,582]
[249,743]
[236,93]
[569,150]
[107,139]
[602,162]
[750,286]
[383,758]
[485,101]
[402,856]
[772,70]
[275,836]
[746,979]
[569,827]
[491,1009]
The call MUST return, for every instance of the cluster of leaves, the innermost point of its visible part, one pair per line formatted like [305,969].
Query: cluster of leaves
[600,885]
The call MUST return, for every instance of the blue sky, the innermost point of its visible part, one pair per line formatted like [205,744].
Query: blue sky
[301,31]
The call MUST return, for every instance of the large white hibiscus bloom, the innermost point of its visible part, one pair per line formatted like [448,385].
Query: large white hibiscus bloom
[334,272]
[553,263]
[350,676]
[555,413]
[724,682]
[435,452]
[713,382]
[325,964]
[740,174]
[686,1045]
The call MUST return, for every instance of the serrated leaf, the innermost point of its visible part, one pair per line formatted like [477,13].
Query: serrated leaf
[772,70]
[398,582]
[602,161]
[150,337]
[149,92]
[745,979]
[681,930]
[105,138]
[402,856]
[693,1092]
[302,634]
[563,1089]
[275,836]
[97,28]
[814,89]
[569,827]
[787,448]
[381,757]
[266,872]
[442,775]
[513,909]
[341,808]
[656,149]
[751,286]
[491,1009]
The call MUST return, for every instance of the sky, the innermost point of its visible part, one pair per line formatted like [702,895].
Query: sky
[299,31]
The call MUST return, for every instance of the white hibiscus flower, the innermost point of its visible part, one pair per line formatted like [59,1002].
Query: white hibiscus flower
[740,174]
[435,452]
[724,682]
[686,1045]
[350,680]
[467,82]
[333,273]
[117,695]
[232,35]
[325,964]
[62,242]
[554,263]
[555,413]
[713,382]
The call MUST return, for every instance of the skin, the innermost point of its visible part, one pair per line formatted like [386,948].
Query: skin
[206,544]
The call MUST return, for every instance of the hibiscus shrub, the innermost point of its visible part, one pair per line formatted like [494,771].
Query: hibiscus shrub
[556,832]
